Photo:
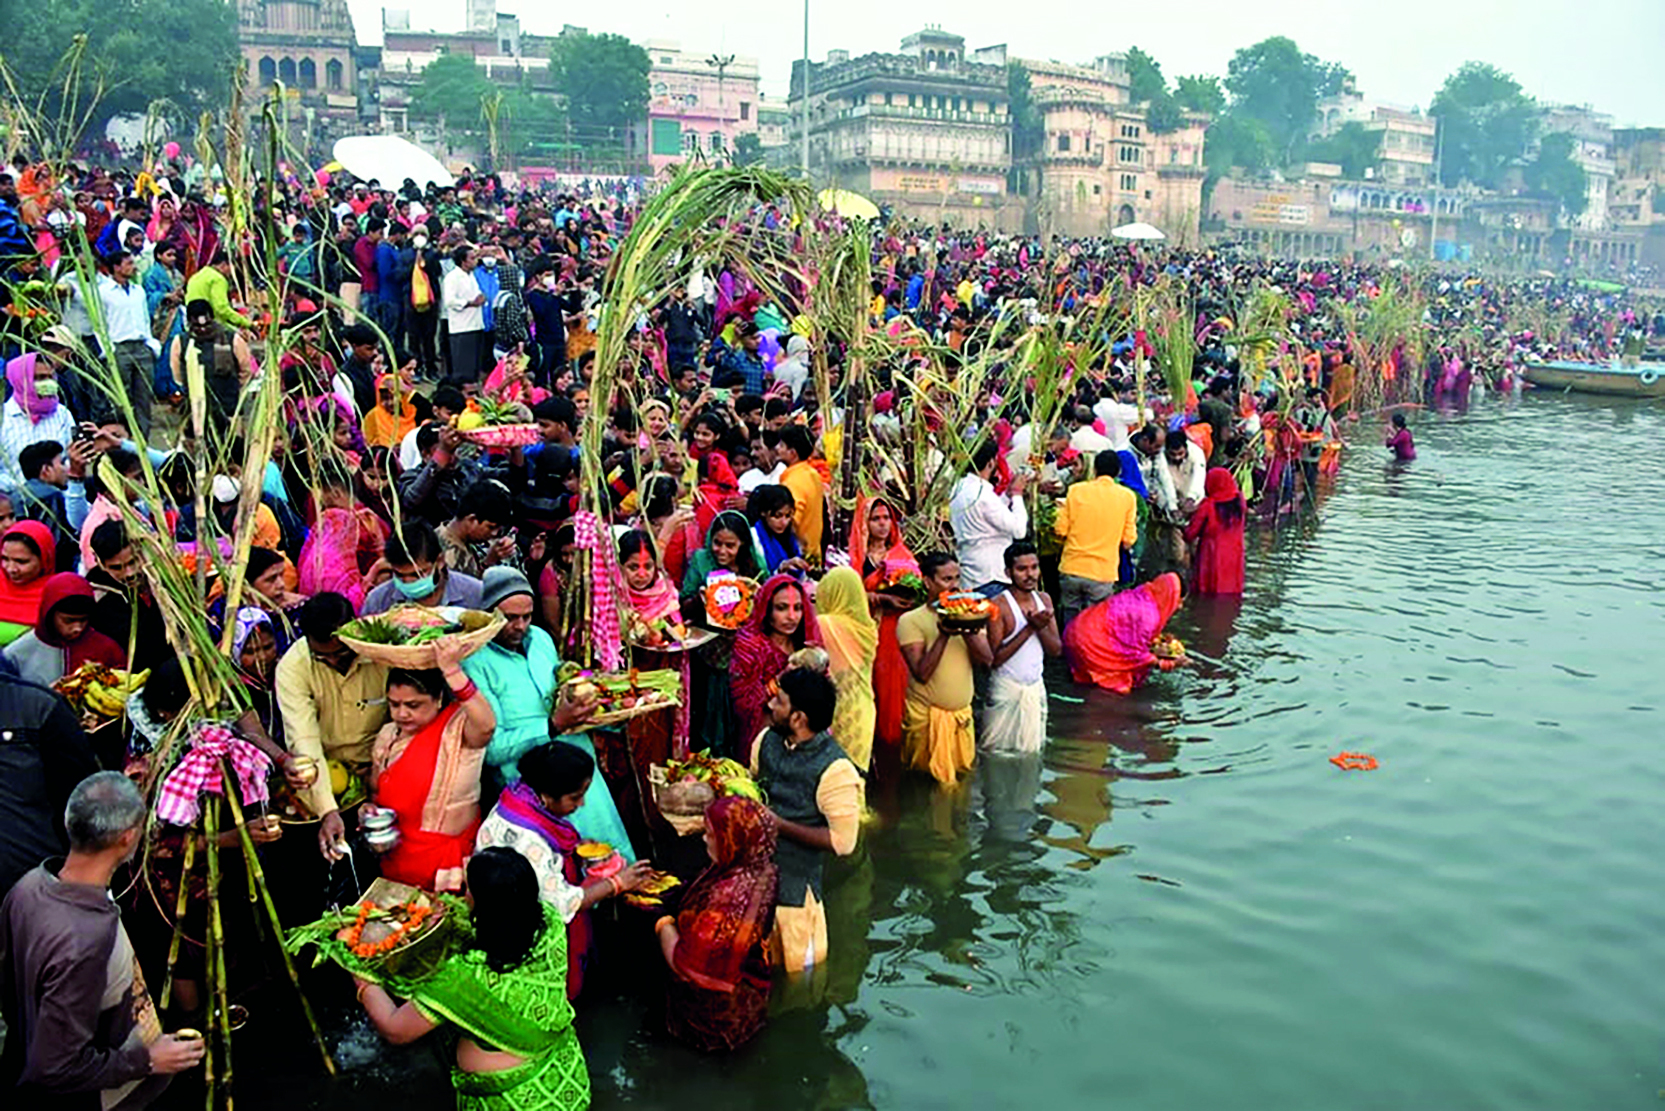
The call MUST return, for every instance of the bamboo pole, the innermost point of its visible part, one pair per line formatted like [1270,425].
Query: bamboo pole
[257,881]
[178,914]
[215,985]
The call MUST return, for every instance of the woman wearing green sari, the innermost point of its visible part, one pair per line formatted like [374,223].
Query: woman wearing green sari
[507,994]
[729,549]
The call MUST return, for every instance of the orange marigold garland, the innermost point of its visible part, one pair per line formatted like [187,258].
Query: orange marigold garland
[415,914]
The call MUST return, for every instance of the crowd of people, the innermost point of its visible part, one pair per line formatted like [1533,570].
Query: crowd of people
[402,308]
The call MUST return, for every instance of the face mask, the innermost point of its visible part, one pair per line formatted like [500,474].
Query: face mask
[46,387]
[489,262]
[419,241]
[418,590]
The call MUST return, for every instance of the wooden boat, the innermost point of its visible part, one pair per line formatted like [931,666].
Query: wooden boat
[1641,380]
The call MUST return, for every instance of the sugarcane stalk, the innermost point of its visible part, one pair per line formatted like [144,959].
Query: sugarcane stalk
[257,882]
[179,915]
[213,965]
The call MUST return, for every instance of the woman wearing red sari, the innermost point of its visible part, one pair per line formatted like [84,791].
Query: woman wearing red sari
[718,995]
[1109,644]
[782,621]
[876,540]
[1216,529]
[425,767]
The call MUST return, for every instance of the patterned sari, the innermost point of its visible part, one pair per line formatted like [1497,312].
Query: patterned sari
[719,996]
[520,807]
[851,637]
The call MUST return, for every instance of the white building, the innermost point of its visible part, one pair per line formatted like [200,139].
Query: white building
[1592,134]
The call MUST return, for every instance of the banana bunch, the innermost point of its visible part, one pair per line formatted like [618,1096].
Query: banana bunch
[95,689]
[726,777]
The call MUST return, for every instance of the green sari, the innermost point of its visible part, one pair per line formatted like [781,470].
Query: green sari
[523,1011]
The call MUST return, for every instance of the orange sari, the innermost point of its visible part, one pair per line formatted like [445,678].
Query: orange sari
[1109,644]
[890,670]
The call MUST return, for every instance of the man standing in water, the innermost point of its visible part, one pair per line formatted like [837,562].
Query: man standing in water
[1098,521]
[985,521]
[815,792]
[938,732]
[1023,631]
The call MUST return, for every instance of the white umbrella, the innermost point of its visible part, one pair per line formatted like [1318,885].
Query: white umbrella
[1126,231]
[390,160]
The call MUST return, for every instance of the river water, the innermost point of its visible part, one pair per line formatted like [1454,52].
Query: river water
[1183,904]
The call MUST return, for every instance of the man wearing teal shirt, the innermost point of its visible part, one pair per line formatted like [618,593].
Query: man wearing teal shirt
[516,673]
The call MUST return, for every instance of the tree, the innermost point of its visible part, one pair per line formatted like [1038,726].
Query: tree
[1235,141]
[1200,94]
[137,50]
[1354,148]
[1274,83]
[1486,124]
[451,90]
[1028,128]
[604,79]
[1555,175]
[748,149]
[1147,86]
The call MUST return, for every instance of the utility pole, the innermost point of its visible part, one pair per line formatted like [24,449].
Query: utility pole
[806,92]
[1434,210]
[720,63]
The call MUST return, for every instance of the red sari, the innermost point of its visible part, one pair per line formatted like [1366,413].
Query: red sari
[718,998]
[1109,644]
[1217,530]
[890,670]
[432,782]
[758,661]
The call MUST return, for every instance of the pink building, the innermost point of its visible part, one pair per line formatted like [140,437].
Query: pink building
[698,104]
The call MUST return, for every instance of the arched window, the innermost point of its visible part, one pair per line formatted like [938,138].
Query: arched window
[268,70]
[332,74]
[660,88]
[1124,215]
[308,74]
[286,71]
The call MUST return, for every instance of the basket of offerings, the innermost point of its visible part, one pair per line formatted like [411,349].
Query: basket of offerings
[498,424]
[99,694]
[962,611]
[683,789]
[395,932]
[1166,647]
[667,634]
[404,636]
[624,694]
[728,600]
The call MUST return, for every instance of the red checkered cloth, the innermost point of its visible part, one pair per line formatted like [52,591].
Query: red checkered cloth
[589,533]
[179,799]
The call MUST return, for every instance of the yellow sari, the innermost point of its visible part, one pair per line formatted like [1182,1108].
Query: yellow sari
[851,638]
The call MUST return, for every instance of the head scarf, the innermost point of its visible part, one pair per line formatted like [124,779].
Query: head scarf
[20,373]
[748,563]
[91,645]
[898,557]
[726,911]
[20,605]
[248,619]
[658,601]
[715,489]
[384,429]
[758,623]
[847,628]
[1219,485]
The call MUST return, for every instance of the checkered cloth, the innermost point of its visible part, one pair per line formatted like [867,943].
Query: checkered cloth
[589,533]
[178,800]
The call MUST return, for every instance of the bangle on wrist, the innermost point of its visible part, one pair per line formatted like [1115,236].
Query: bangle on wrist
[466,691]
[613,885]
[664,920]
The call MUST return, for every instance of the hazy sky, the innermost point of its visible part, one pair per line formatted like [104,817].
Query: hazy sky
[1606,53]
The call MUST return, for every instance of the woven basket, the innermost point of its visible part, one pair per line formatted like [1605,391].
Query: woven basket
[503,435]
[479,628]
[684,824]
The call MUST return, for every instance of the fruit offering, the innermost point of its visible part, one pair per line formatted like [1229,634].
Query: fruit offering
[903,583]
[98,691]
[622,691]
[401,625]
[963,609]
[661,633]
[1166,647]
[648,895]
[495,422]
[724,776]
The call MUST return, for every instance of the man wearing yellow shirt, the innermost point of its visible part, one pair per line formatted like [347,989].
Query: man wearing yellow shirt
[1097,522]
[212,283]
[333,703]
[938,731]
[808,494]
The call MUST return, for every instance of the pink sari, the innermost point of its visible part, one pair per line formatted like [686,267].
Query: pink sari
[330,557]
[1109,644]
